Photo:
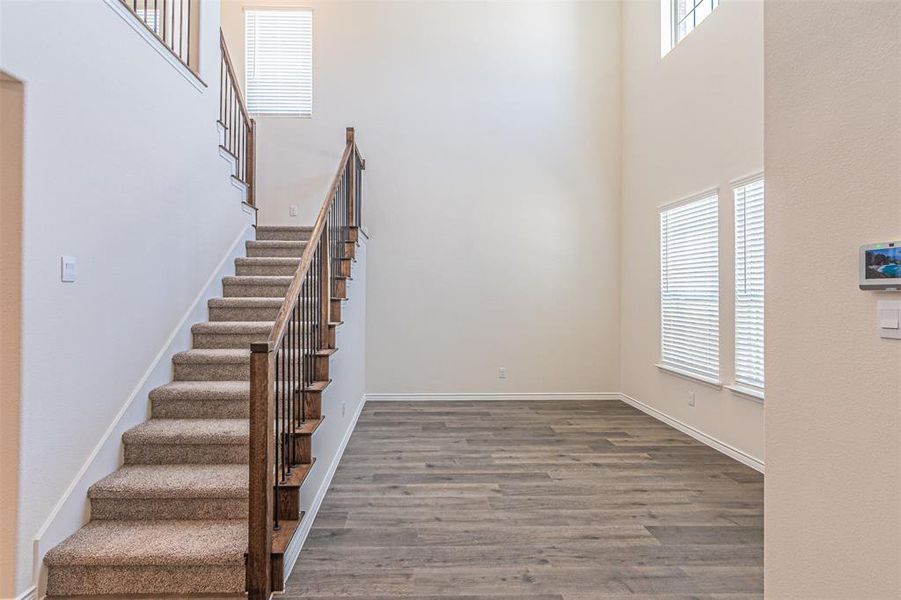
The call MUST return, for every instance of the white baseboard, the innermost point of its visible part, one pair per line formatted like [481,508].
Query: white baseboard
[71,511]
[292,552]
[730,451]
[29,594]
[429,397]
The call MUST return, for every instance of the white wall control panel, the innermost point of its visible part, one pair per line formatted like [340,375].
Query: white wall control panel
[67,269]
[888,313]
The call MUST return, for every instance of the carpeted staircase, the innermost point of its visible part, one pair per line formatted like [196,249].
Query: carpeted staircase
[173,519]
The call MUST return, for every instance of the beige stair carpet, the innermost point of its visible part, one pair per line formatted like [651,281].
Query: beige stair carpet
[172,519]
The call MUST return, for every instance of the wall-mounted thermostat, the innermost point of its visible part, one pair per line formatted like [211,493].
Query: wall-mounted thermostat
[880,266]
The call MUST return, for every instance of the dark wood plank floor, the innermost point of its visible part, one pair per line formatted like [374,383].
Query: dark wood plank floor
[532,500]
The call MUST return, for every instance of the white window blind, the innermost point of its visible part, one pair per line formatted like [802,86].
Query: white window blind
[749,272]
[279,62]
[689,287]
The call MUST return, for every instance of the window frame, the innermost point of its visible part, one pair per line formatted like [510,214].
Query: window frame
[670,21]
[697,374]
[286,8]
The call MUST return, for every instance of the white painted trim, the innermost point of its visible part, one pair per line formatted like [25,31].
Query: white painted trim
[123,11]
[292,552]
[689,375]
[730,451]
[491,397]
[747,392]
[699,196]
[29,594]
[72,505]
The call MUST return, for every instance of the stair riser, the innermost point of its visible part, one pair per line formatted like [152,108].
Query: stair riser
[344,267]
[200,409]
[341,288]
[243,314]
[264,251]
[95,580]
[244,269]
[312,405]
[168,508]
[212,371]
[233,290]
[283,235]
[174,454]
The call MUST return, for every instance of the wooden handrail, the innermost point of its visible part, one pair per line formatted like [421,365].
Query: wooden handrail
[292,364]
[291,297]
[238,129]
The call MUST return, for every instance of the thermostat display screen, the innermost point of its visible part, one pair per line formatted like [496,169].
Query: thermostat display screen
[883,263]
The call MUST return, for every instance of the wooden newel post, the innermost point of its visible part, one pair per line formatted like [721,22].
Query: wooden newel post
[352,179]
[261,474]
[252,163]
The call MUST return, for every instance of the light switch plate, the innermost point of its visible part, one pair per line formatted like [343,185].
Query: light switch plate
[888,314]
[67,269]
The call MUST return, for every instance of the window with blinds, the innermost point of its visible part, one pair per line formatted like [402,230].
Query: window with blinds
[749,272]
[279,62]
[689,288]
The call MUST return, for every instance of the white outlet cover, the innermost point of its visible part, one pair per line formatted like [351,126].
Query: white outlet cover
[691,398]
[292,210]
[502,373]
[67,266]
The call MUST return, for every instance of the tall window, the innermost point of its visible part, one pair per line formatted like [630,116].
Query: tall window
[689,288]
[749,271]
[279,61]
[680,17]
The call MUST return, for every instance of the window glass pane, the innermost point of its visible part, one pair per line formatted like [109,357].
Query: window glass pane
[689,287]
[749,284]
[279,61]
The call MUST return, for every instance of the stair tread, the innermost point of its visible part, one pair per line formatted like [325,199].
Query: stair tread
[202,390]
[246,302]
[276,243]
[258,279]
[153,543]
[298,228]
[236,327]
[210,356]
[173,481]
[298,475]
[267,260]
[188,431]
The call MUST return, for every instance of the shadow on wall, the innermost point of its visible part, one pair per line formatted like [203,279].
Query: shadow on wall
[11,126]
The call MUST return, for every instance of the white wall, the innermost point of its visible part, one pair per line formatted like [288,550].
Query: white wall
[122,171]
[692,121]
[833,422]
[491,132]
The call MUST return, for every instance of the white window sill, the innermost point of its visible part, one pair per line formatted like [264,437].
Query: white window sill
[688,374]
[749,392]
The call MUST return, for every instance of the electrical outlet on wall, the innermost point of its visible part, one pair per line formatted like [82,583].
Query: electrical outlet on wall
[292,210]
[691,398]
[502,372]
[343,409]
